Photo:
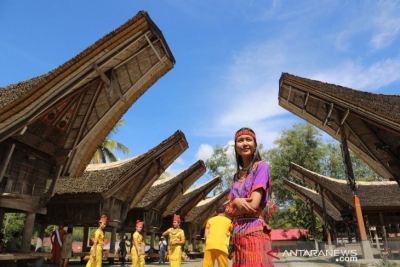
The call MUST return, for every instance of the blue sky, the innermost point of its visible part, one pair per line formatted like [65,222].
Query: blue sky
[229,58]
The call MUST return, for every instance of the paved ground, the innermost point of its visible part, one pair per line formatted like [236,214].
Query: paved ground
[282,262]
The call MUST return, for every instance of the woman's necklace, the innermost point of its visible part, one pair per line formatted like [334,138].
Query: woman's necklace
[242,174]
[174,232]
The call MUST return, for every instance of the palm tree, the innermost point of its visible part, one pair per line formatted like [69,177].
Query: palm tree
[104,152]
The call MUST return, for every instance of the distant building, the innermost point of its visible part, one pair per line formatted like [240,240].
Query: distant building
[288,239]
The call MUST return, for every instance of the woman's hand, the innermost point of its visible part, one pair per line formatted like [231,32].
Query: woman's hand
[244,204]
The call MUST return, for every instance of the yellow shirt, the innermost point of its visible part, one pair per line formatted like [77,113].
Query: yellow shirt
[175,235]
[99,237]
[138,238]
[220,228]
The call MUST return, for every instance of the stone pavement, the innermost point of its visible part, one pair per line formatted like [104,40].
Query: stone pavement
[282,262]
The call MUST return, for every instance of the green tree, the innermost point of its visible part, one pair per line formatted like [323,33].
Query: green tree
[301,145]
[332,165]
[13,222]
[222,163]
[105,151]
[332,162]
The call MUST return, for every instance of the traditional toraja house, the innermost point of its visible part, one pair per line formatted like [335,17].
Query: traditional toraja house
[111,188]
[161,198]
[366,123]
[196,219]
[317,204]
[51,125]
[188,201]
[380,201]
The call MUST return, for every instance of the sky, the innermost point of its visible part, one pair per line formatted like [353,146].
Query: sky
[229,57]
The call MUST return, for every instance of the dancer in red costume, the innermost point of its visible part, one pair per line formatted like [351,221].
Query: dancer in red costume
[56,238]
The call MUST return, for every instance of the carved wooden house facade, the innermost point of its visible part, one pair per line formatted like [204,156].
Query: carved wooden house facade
[51,125]
[368,124]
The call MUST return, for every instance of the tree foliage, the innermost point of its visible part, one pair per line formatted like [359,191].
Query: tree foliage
[12,222]
[104,153]
[301,145]
[222,163]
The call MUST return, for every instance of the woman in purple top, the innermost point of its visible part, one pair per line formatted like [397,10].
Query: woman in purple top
[247,200]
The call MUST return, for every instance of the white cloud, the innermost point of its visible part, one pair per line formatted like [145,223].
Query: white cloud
[247,94]
[386,23]
[179,161]
[204,152]
[176,167]
[378,23]
[354,75]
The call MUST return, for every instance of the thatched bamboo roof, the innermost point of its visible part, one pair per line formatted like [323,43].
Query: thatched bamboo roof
[126,180]
[371,122]
[165,193]
[374,196]
[206,208]
[67,113]
[193,196]
[312,197]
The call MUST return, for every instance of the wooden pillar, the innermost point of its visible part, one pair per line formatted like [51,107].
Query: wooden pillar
[153,240]
[112,244]
[113,239]
[326,224]
[359,217]
[365,245]
[194,244]
[314,229]
[378,246]
[85,238]
[2,214]
[42,228]
[28,232]
[384,238]
[3,167]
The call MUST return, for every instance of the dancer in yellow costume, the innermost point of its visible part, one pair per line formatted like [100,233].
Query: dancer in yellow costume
[176,241]
[217,232]
[96,252]
[137,252]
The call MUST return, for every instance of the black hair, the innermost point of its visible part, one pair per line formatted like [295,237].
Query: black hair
[220,209]
[256,155]
[69,230]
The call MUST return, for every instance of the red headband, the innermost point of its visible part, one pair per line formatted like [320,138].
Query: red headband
[177,218]
[103,219]
[247,132]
